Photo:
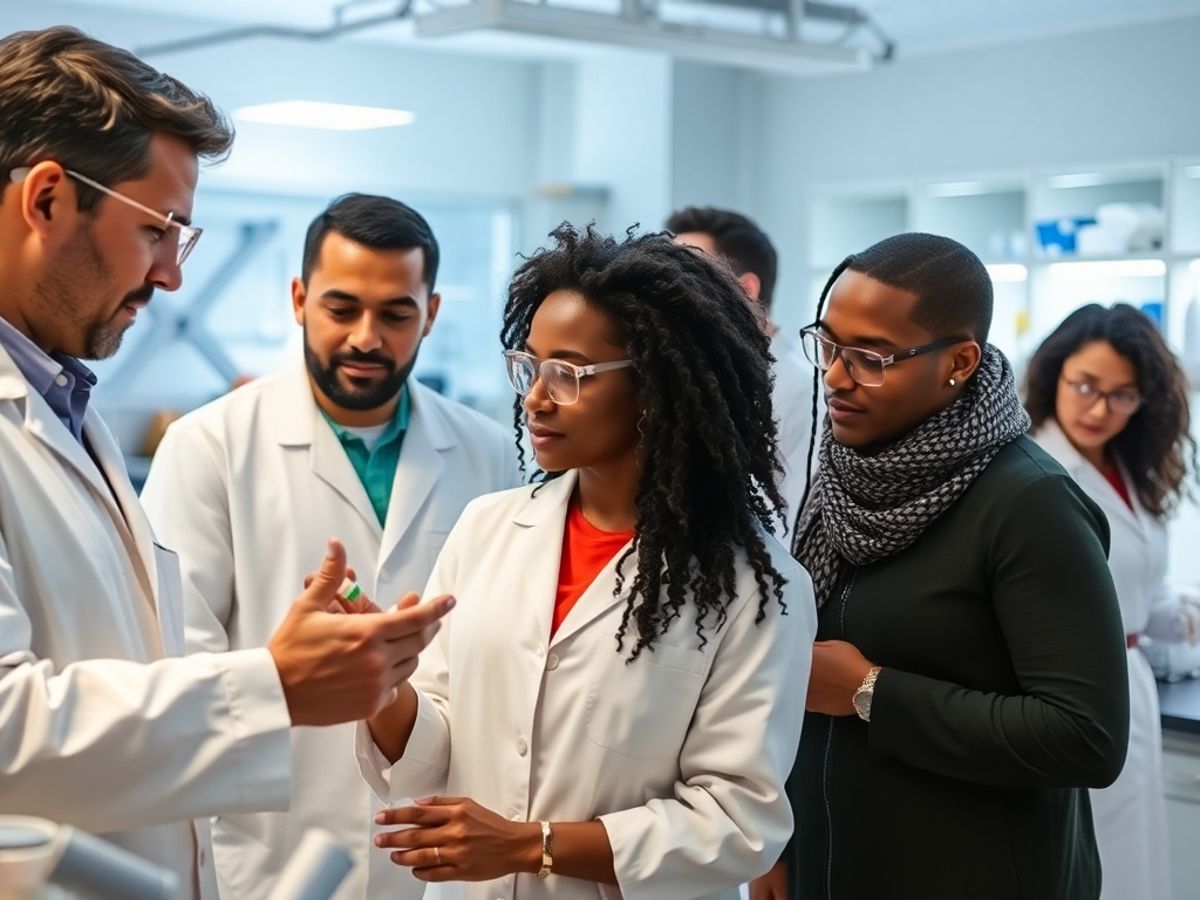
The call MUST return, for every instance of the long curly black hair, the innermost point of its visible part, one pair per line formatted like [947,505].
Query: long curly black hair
[701,369]
[1155,446]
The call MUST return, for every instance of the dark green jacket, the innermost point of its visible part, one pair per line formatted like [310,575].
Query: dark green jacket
[1003,696]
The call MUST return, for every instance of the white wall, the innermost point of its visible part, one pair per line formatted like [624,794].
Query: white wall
[1098,97]
[475,131]
[713,137]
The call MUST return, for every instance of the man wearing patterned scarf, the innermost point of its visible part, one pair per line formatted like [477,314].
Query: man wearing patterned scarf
[968,681]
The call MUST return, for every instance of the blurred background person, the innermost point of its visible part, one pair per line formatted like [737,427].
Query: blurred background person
[748,251]
[1109,401]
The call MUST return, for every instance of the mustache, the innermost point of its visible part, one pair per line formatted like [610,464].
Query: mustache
[141,295]
[377,359]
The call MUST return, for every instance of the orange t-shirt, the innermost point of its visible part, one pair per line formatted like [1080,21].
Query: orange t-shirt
[585,551]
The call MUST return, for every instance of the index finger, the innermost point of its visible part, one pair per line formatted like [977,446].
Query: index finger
[413,815]
[401,623]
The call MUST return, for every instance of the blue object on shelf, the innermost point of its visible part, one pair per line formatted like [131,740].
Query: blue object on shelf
[1154,310]
[1057,236]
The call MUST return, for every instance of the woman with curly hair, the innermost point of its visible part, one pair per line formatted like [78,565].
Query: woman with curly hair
[615,702]
[1109,401]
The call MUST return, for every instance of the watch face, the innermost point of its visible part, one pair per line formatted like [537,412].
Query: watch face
[862,704]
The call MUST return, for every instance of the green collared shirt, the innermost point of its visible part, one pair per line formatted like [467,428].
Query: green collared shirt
[376,468]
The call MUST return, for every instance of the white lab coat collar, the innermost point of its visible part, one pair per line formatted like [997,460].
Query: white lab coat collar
[545,511]
[297,422]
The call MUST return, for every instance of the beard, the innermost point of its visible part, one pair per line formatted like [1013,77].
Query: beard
[362,394]
[66,292]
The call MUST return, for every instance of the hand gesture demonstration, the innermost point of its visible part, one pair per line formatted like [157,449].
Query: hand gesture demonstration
[342,668]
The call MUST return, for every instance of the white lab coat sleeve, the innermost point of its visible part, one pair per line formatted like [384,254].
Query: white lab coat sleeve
[187,502]
[1174,615]
[729,818]
[422,770]
[108,745]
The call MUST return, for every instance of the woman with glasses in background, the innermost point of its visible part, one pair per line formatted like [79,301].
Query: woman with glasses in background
[613,706]
[1109,401]
[968,681]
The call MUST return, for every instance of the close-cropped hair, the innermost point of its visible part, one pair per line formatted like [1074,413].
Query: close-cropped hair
[379,223]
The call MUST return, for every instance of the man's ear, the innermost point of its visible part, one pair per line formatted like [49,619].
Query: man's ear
[751,284]
[432,306]
[48,202]
[299,294]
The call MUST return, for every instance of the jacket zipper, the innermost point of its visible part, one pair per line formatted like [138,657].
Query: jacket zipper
[829,751]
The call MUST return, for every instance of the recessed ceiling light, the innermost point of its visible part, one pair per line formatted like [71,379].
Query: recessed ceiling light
[326,116]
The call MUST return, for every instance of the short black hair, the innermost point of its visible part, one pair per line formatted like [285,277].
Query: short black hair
[953,287]
[746,246]
[380,223]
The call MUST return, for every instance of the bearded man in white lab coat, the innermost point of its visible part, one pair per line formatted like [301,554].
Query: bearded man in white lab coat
[342,441]
[104,724]
[750,254]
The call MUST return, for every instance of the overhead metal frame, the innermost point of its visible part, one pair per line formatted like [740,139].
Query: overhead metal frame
[635,24]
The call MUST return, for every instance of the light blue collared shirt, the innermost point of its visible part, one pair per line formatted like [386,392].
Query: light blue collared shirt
[64,382]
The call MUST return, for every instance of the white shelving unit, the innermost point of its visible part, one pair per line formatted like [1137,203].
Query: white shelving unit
[998,216]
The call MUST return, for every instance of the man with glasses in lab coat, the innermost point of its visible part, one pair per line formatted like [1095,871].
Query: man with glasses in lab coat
[343,441]
[104,724]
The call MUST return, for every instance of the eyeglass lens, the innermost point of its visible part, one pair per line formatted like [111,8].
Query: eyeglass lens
[559,378]
[865,368]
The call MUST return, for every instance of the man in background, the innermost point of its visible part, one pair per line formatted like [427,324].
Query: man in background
[749,253]
[343,441]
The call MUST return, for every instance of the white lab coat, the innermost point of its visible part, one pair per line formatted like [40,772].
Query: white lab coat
[248,489]
[1130,816]
[682,754]
[792,401]
[103,724]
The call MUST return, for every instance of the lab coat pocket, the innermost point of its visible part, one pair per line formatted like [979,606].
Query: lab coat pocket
[642,709]
[170,600]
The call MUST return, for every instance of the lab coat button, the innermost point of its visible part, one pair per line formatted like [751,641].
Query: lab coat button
[60,380]
[522,747]
[551,663]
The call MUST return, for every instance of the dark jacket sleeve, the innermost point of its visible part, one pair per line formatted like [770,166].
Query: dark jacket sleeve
[1055,603]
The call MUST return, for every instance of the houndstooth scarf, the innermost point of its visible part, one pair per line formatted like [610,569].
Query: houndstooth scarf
[866,508]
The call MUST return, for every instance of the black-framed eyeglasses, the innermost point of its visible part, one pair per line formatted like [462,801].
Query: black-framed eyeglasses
[1122,402]
[866,367]
[186,235]
[560,377]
